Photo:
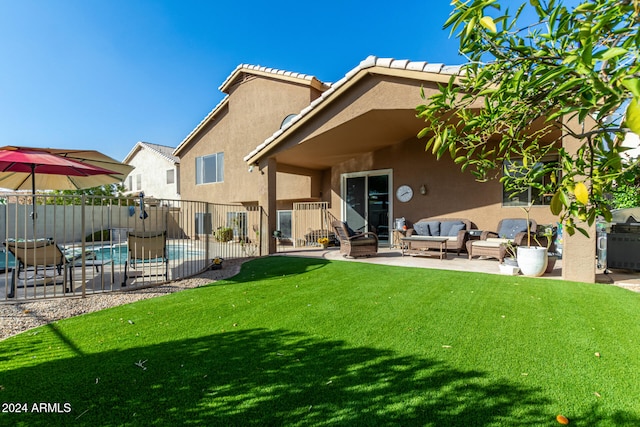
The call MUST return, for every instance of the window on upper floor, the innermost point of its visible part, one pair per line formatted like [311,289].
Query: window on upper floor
[531,195]
[210,168]
[139,181]
[171,176]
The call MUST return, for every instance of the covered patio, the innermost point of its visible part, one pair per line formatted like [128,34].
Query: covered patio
[358,145]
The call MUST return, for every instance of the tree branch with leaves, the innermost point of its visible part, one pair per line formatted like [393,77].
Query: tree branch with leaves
[529,85]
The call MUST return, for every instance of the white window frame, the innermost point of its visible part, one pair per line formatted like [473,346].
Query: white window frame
[530,191]
[201,163]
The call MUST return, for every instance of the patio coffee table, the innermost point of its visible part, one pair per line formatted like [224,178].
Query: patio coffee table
[420,245]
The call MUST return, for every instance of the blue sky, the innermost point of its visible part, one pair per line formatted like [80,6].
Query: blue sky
[104,74]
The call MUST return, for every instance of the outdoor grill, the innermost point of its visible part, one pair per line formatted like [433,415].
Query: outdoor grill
[621,249]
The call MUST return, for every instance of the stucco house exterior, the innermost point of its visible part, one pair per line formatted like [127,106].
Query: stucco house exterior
[280,137]
[156,171]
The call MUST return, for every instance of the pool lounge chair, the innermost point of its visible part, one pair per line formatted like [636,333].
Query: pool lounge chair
[147,249]
[38,256]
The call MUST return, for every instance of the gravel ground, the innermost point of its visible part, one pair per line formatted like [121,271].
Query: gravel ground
[16,318]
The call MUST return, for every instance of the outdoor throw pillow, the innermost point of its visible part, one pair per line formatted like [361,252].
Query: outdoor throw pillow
[510,227]
[446,228]
[422,228]
[434,228]
[455,228]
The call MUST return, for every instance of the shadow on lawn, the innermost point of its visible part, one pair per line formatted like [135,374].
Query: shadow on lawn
[261,377]
[275,267]
[271,377]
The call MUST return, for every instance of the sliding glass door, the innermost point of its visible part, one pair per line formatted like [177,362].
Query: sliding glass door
[366,202]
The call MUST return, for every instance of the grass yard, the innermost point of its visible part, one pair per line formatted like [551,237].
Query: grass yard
[308,342]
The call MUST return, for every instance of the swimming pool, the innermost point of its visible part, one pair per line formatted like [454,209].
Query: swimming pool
[118,253]
[6,259]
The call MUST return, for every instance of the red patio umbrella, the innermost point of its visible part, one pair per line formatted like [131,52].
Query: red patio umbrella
[55,169]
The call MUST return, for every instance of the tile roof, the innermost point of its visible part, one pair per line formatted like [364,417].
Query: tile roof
[326,88]
[251,69]
[162,150]
[242,68]
[369,62]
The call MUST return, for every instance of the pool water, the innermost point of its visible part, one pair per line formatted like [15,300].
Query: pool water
[6,258]
[118,253]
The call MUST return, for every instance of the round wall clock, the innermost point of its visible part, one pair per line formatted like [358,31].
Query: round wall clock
[404,193]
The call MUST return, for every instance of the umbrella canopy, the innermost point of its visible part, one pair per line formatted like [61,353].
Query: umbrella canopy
[24,168]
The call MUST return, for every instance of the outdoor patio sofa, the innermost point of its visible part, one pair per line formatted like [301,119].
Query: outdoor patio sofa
[454,229]
[494,244]
[355,244]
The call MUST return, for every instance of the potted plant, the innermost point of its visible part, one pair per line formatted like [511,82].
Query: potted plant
[216,263]
[509,264]
[532,260]
[511,257]
[324,242]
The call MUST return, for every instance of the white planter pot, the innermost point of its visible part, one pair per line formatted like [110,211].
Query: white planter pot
[532,260]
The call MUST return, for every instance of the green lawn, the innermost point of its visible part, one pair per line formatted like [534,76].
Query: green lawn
[306,342]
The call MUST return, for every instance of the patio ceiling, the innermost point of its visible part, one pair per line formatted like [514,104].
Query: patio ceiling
[369,132]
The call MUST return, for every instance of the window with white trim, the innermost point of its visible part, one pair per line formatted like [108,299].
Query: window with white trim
[210,168]
[530,195]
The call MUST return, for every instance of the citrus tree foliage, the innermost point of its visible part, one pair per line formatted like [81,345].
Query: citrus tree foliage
[626,193]
[568,65]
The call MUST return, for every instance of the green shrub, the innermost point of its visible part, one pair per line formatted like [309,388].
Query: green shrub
[98,236]
[224,234]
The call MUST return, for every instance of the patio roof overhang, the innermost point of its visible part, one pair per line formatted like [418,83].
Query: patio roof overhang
[366,133]
[373,107]
[371,131]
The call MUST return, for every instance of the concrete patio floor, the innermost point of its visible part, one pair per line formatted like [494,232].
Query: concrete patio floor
[388,256]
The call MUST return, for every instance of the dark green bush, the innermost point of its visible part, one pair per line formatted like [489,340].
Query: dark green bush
[98,236]
[224,234]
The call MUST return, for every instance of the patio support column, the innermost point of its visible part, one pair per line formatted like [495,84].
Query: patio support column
[268,199]
[578,251]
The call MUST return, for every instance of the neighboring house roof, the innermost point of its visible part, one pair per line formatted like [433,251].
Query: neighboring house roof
[412,69]
[242,73]
[163,151]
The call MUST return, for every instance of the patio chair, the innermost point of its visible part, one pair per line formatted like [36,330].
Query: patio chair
[355,244]
[493,244]
[147,248]
[40,254]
